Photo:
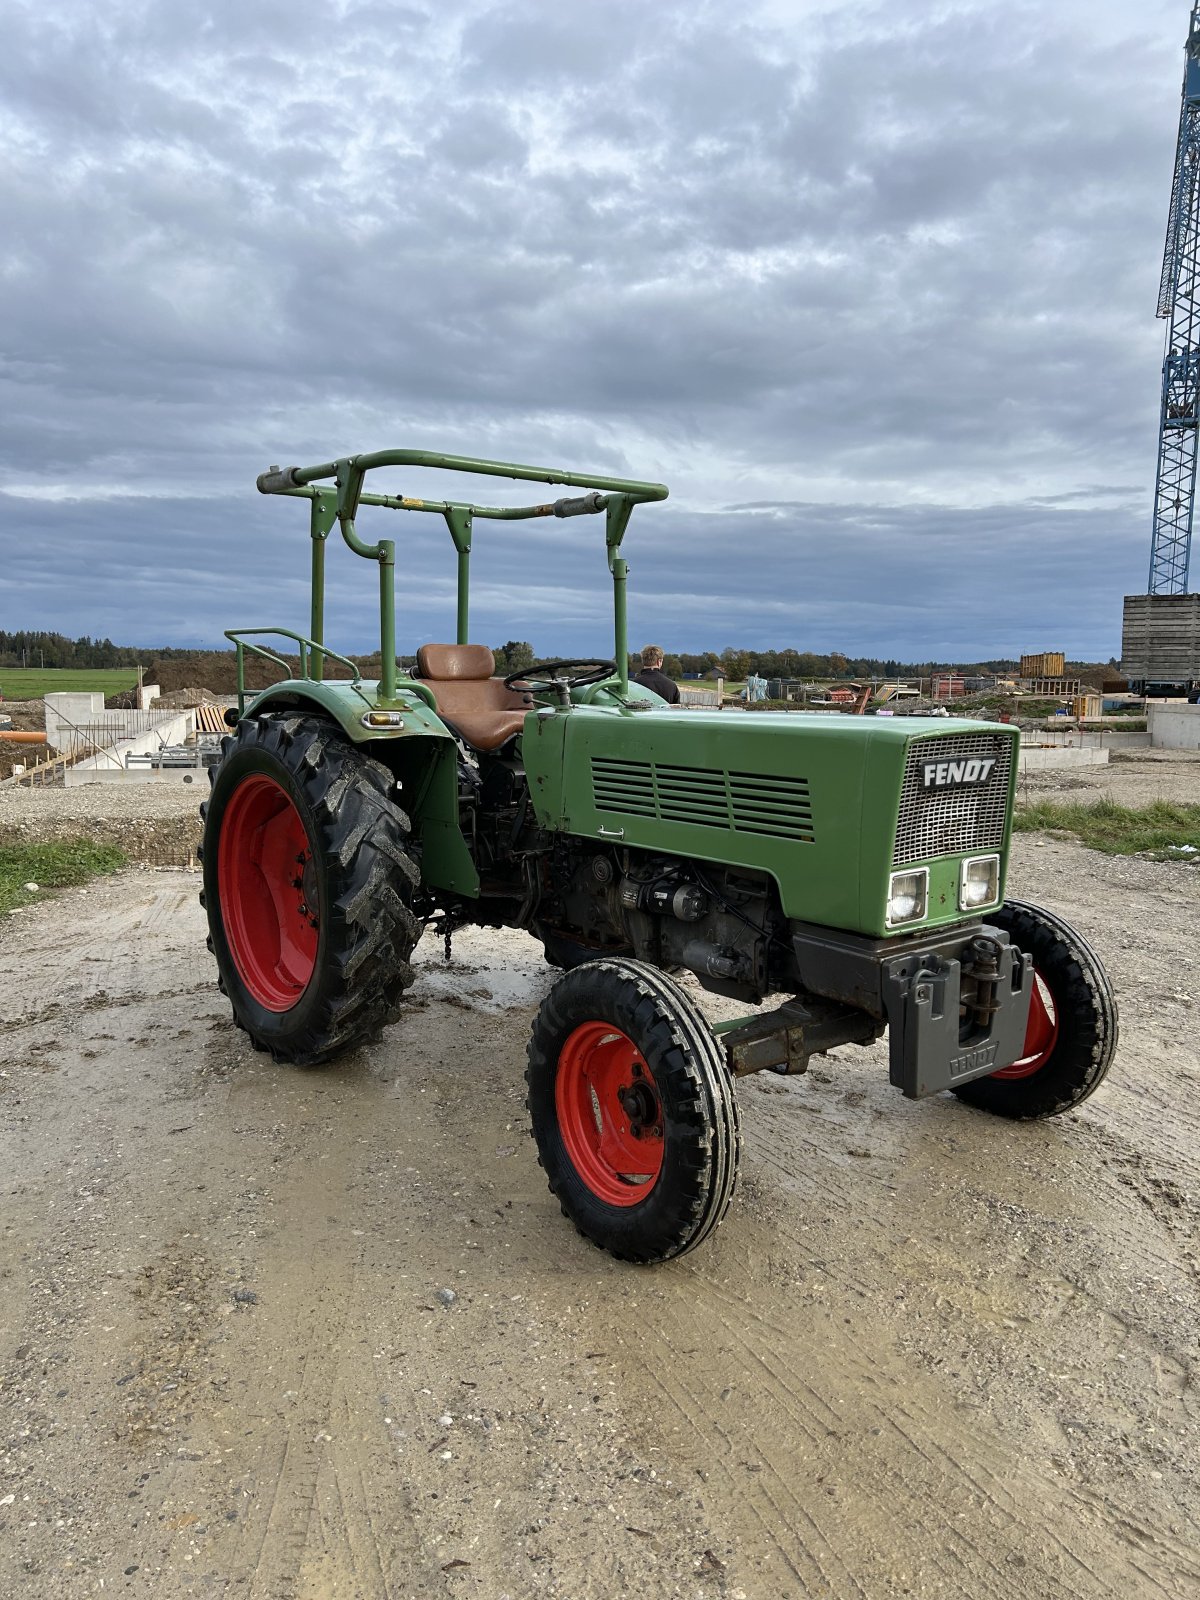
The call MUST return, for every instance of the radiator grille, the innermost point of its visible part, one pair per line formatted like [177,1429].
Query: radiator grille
[943,822]
[746,802]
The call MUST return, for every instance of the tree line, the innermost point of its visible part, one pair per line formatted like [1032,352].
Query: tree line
[174,667]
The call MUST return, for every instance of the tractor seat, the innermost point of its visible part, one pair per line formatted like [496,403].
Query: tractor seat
[475,704]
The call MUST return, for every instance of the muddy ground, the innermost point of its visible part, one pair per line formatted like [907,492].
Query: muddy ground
[927,1353]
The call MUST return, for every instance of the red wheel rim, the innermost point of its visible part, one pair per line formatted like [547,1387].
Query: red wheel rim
[609,1114]
[268,892]
[1041,1032]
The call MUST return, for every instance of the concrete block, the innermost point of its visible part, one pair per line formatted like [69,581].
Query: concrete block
[67,711]
[1174,725]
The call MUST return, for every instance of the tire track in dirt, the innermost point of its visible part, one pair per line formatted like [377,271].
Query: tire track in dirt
[926,1351]
[315,1499]
[854,1477]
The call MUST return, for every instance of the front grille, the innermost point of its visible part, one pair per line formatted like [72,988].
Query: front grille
[746,802]
[945,822]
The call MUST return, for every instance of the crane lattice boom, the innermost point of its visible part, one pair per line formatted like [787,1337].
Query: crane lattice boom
[1179,302]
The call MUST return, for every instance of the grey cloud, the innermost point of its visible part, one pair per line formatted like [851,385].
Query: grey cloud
[867,258]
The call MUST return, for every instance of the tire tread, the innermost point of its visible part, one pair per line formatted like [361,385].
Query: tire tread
[364,842]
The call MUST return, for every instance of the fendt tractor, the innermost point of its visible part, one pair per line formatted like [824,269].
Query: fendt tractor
[854,866]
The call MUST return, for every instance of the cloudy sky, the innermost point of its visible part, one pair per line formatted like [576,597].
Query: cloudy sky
[870,287]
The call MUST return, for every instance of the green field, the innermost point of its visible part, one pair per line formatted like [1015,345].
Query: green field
[31,683]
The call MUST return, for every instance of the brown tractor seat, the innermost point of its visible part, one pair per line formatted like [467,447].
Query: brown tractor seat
[469,698]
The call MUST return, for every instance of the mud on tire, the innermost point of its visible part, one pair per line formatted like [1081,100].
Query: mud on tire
[353,967]
[1083,1036]
[664,1051]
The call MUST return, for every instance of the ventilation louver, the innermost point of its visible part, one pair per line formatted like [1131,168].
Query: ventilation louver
[746,802]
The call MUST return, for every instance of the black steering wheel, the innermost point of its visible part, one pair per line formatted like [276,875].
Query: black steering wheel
[559,677]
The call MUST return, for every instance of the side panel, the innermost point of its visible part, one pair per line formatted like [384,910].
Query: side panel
[812,800]
[781,795]
[429,793]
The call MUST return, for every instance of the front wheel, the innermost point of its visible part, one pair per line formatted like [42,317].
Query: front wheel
[1071,1035]
[633,1110]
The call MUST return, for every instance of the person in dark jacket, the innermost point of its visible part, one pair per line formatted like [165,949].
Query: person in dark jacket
[653,677]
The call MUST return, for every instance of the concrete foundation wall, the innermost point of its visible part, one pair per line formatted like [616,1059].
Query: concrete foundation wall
[1089,739]
[197,777]
[78,723]
[173,729]
[1053,758]
[1174,726]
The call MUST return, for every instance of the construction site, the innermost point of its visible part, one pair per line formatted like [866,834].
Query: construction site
[485,1127]
[328,1328]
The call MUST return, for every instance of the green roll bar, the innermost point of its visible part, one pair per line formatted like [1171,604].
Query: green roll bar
[339,502]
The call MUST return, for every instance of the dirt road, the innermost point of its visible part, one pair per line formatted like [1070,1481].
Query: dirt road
[324,1336]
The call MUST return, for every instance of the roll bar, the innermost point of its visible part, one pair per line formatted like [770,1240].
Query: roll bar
[339,502]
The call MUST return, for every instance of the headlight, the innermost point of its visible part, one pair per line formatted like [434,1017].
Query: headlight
[907,896]
[979,883]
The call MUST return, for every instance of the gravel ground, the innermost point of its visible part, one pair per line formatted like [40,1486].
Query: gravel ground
[1133,778]
[156,824]
[304,1335]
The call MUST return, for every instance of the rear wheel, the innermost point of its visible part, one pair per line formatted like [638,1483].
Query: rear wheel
[308,883]
[1071,1035]
[633,1110]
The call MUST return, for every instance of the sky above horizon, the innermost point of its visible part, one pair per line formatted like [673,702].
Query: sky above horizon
[871,288]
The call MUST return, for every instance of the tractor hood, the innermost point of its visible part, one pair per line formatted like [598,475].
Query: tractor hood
[830,806]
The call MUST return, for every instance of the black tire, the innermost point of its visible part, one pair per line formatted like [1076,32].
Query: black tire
[1085,1010]
[360,870]
[690,1089]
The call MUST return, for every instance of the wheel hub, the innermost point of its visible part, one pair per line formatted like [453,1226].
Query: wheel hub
[269,895]
[640,1105]
[609,1114]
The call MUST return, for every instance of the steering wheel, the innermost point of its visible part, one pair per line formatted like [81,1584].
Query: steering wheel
[559,677]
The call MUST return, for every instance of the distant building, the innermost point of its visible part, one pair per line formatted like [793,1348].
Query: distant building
[948,685]
[1049,664]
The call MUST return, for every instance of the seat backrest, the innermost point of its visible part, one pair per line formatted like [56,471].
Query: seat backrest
[447,663]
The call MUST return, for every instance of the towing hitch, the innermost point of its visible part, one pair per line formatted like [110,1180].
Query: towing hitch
[783,1040]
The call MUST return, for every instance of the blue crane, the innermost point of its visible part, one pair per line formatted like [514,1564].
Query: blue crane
[1179,303]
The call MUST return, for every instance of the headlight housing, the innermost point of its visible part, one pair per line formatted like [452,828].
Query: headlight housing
[908,896]
[979,883]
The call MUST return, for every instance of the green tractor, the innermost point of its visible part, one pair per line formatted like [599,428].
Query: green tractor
[854,866]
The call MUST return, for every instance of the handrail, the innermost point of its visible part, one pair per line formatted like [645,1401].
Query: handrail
[240,636]
[339,502]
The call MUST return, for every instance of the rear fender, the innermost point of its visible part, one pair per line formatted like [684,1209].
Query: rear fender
[347,704]
[420,750]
